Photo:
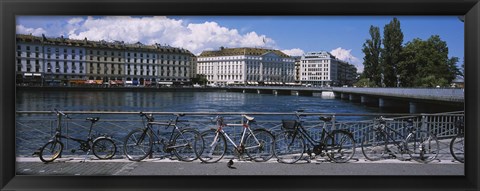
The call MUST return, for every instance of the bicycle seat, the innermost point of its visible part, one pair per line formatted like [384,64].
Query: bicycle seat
[180,114]
[326,119]
[249,118]
[93,119]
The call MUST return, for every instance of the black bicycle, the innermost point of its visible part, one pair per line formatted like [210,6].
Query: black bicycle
[383,141]
[103,147]
[290,144]
[139,142]
[457,145]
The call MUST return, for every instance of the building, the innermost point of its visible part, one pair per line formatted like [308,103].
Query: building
[29,64]
[104,63]
[62,61]
[54,61]
[297,68]
[324,69]
[247,66]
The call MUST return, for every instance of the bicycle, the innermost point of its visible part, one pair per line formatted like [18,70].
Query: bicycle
[257,143]
[103,147]
[457,145]
[290,144]
[139,142]
[421,146]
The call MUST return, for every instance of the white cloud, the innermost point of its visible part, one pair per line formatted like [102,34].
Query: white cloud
[195,37]
[346,55]
[294,52]
[34,31]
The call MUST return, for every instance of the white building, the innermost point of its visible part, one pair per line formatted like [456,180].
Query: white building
[150,64]
[324,69]
[246,66]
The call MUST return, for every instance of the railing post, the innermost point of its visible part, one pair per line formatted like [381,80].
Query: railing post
[333,122]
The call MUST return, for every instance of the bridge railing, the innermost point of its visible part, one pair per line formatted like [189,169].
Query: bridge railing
[35,128]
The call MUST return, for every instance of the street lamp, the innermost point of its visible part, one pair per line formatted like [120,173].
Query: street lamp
[398,81]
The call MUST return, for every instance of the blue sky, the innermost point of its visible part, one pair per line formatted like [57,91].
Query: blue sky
[343,36]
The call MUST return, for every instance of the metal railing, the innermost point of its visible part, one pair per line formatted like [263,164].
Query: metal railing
[35,128]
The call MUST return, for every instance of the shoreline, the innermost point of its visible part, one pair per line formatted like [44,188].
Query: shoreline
[154,89]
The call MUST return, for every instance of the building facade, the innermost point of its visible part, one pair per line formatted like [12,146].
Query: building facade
[61,61]
[324,69]
[247,66]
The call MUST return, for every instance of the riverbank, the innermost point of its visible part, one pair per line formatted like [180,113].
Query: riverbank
[126,89]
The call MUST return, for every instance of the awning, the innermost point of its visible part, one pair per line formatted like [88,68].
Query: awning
[165,83]
[28,74]
[77,81]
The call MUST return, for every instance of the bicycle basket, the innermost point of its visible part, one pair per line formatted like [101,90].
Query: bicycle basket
[289,124]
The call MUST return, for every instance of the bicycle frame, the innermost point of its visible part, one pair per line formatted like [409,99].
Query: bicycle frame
[391,138]
[245,126]
[58,132]
[159,138]
[303,132]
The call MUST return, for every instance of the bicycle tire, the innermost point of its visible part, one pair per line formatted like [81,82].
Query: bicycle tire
[138,145]
[208,149]
[262,152]
[51,151]
[104,148]
[374,145]
[289,147]
[340,146]
[457,147]
[422,146]
[185,137]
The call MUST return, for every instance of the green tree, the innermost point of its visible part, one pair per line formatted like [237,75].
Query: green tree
[365,82]
[371,60]
[413,59]
[200,79]
[426,64]
[391,53]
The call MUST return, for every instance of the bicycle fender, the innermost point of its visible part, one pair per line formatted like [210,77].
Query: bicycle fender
[102,137]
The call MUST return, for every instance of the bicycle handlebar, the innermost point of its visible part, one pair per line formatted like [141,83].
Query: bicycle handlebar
[55,110]
[381,118]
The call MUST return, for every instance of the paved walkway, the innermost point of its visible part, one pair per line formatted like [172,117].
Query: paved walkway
[156,166]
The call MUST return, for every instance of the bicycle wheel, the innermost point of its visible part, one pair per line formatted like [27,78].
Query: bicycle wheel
[51,151]
[289,147]
[374,145]
[259,145]
[104,148]
[422,146]
[457,147]
[183,144]
[211,147]
[138,145]
[340,146]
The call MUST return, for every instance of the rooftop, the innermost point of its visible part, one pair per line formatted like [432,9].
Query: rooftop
[119,45]
[241,51]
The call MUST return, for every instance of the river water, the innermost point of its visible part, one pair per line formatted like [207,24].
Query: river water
[158,101]
[180,102]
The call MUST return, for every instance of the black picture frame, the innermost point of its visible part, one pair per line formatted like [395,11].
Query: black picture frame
[10,8]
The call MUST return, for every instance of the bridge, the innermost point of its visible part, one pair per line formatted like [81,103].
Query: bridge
[415,99]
